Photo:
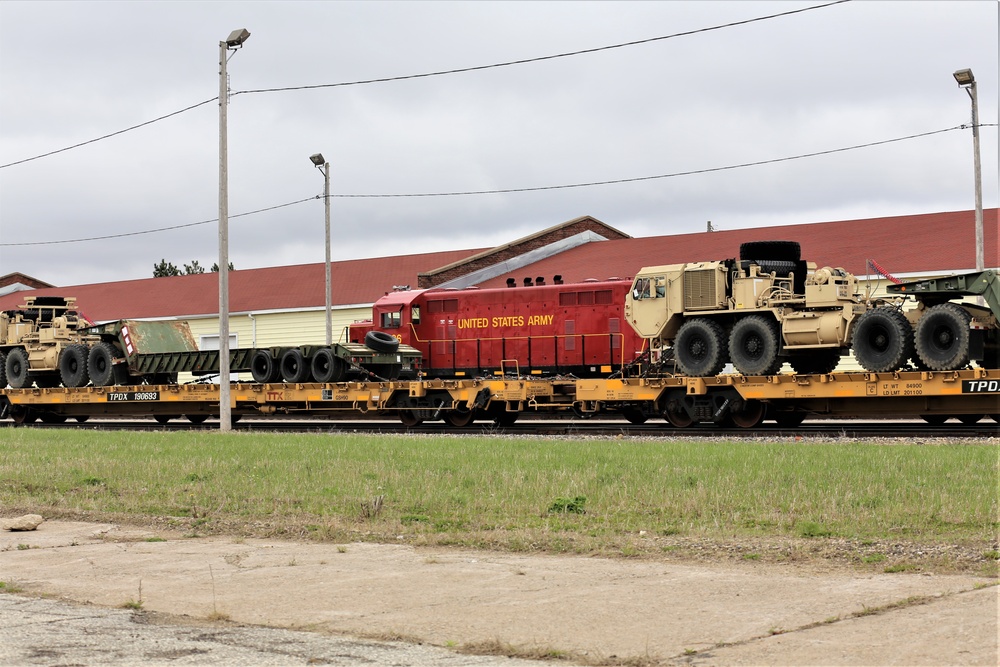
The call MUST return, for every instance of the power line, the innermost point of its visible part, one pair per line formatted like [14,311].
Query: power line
[508,190]
[543,58]
[430,74]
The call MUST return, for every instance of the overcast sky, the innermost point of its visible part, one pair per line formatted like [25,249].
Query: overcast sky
[705,99]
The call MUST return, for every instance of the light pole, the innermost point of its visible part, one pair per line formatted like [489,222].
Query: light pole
[324,167]
[234,41]
[967,81]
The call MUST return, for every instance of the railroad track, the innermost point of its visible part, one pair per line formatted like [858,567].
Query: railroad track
[850,429]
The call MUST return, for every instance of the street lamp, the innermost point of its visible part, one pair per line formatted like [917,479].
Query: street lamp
[234,41]
[966,80]
[324,167]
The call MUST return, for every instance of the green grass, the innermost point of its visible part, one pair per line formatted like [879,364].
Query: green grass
[521,494]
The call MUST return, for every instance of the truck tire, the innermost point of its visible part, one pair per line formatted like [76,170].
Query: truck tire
[100,365]
[73,366]
[294,367]
[753,345]
[699,348]
[778,267]
[942,337]
[787,251]
[882,340]
[380,341]
[328,367]
[264,368]
[3,370]
[17,368]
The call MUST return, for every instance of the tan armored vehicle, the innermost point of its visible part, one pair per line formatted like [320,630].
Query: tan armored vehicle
[41,343]
[759,311]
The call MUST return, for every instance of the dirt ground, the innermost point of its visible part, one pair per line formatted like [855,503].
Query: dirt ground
[593,610]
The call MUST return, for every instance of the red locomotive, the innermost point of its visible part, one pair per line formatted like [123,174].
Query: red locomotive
[535,329]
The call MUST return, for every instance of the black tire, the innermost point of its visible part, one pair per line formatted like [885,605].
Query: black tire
[294,367]
[776,266]
[753,345]
[264,368]
[785,251]
[100,365]
[942,337]
[3,370]
[882,340]
[328,367]
[699,348]
[815,362]
[73,366]
[17,368]
[380,341]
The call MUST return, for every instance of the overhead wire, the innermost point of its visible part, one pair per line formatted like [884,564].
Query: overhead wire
[504,190]
[431,74]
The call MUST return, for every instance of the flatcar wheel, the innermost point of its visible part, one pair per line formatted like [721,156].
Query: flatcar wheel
[934,420]
[196,419]
[163,419]
[409,418]
[634,415]
[677,416]
[22,415]
[747,414]
[459,418]
[789,419]
[52,418]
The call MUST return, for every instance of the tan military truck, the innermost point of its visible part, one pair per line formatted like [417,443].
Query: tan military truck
[758,311]
[41,342]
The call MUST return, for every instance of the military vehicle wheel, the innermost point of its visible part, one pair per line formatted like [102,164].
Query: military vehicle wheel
[264,368]
[73,366]
[699,348]
[753,345]
[786,251]
[328,367]
[294,368]
[3,370]
[747,414]
[776,266]
[460,418]
[815,362]
[380,341]
[935,420]
[17,368]
[882,340]
[942,337]
[100,365]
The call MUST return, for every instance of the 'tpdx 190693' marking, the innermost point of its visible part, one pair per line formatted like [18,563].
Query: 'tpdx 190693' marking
[130,396]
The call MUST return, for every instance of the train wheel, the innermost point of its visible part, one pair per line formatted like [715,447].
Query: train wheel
[505,418]
[197,419]
[328,367]
[634,415]
[17,368]
[747,414]
[73,366]
[294,368]
[677,416]
[22,414]
[942,337]
[409,418]
[815,362]
[163,419]
[699,348]
[100,365]
[882,340]
[52,418]
[460,417]
[753,346]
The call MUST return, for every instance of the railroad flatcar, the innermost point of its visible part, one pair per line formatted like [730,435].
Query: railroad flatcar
[535,328]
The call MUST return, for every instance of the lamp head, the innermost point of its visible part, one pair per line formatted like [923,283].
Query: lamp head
[964,77]
[317,159]
[237,37]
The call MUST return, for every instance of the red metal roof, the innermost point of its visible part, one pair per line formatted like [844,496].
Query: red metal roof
[903,244]
[933,242]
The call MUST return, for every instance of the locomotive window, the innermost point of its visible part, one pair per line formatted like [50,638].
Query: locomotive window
[415,314]
[390,320]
